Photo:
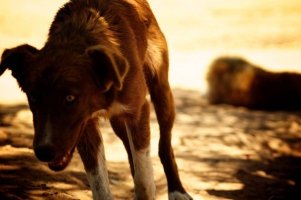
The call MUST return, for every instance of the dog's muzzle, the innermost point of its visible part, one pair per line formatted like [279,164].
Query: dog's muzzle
[47,154]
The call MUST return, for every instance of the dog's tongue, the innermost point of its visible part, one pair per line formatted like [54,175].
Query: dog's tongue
[59,164]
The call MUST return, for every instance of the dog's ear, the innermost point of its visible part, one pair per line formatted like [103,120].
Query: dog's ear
[14,60]
[110,67]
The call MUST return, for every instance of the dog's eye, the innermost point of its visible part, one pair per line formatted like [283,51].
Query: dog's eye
[70,98]
[32,99]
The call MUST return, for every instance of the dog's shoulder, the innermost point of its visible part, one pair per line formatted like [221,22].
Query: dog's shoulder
[74,12]
[118,21]
[114,12]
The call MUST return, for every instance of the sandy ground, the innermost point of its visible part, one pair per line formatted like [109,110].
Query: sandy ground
[223,152]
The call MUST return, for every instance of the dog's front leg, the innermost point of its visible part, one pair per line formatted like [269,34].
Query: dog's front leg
[139,138]
[91,150]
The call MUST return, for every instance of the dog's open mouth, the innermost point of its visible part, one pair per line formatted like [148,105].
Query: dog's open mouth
[61,163]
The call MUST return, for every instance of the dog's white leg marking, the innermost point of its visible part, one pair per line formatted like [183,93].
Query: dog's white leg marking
[178,196]
[144,176]
[99,180]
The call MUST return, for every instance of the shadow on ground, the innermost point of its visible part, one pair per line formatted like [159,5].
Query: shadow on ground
[223,152]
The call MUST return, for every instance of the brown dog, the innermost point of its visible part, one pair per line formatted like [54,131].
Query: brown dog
[101,58]
[238,82]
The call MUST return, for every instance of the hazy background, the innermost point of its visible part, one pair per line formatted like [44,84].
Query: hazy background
[223,152]
[265,32]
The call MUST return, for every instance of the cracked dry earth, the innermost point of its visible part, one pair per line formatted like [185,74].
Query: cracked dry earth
[223,152]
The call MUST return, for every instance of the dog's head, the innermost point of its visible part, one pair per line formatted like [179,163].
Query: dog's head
[64,89]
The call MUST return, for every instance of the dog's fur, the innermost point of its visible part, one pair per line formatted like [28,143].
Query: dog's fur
[101,58]
[235,81]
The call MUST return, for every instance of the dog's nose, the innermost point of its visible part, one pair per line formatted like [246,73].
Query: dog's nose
[45,153]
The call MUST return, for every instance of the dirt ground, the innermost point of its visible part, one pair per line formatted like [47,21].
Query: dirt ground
[223,152]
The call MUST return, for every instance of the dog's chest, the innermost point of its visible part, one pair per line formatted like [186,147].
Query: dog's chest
[116,108]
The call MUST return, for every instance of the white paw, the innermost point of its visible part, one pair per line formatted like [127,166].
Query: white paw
[178,196]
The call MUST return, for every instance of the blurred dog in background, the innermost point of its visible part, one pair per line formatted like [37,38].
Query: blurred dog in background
[235,81]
